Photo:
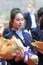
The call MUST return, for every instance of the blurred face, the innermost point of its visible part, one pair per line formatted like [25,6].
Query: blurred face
[18,21]
[30,8]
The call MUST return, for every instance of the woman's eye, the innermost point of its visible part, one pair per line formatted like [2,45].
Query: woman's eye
[20,19]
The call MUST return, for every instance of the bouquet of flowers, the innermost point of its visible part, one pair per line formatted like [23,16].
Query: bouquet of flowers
[38,45]
[14,47]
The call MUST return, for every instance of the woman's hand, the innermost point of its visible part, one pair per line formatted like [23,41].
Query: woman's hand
[34,58]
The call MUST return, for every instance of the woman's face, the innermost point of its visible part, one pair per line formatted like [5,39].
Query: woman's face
[18,21]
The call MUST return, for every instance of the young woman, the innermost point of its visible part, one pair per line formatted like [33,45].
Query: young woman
[15,28]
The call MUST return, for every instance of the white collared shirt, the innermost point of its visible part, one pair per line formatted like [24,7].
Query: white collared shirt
[34,25]
[20,34]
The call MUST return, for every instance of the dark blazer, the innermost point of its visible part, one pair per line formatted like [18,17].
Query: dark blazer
[8,34]
[28,20]
[34,31]
[26,42]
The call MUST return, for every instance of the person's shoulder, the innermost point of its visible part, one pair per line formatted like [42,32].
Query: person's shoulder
[26,14]
[26,32]
[27,35]
[7,29]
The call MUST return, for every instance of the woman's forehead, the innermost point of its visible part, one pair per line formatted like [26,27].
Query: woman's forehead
[19,15]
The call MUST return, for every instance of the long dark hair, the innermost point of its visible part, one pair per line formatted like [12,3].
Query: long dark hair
[40,12]
[41,23]
[13,12]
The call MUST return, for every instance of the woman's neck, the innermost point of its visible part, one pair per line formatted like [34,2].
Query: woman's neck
[16,29]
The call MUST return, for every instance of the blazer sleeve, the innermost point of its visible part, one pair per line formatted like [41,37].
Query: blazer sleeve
[7,34]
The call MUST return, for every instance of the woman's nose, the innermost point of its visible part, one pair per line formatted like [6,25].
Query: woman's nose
[20,22]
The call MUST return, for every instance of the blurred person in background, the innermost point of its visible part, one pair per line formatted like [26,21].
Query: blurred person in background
[40,32]
[31,21]
[30,17]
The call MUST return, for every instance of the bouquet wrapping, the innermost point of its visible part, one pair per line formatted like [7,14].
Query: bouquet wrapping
[38,45]
[14,47]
